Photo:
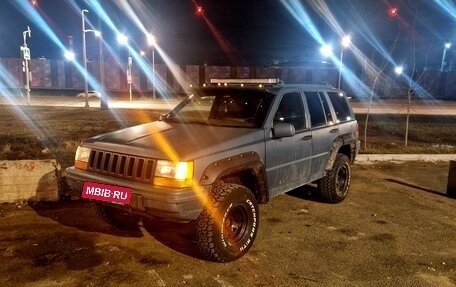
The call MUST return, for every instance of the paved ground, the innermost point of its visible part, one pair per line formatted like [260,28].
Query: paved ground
[396,228]
[378,107]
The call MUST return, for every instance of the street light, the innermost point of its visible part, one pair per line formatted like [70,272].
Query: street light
[123,40]
[445,48]
[69,55]
[152,42]
[84,54]
[399,70]
[346,41]
[326,50]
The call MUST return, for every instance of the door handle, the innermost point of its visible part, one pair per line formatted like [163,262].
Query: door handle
[334,131]
[308,137]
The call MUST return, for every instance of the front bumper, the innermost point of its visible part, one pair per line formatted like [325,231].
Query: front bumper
[173,204]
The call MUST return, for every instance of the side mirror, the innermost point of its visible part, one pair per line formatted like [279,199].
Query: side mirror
[280,130]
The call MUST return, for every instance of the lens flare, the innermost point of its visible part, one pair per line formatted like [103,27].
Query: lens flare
[233,55]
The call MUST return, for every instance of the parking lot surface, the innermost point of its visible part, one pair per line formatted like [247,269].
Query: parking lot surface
[397,227]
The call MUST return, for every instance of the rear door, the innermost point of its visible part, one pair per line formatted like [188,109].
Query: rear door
[323,128]
[344,115]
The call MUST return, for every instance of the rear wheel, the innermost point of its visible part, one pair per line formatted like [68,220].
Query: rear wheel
[228,226]
[116,217]
[335,185]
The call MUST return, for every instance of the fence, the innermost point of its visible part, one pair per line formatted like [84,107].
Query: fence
[63,75]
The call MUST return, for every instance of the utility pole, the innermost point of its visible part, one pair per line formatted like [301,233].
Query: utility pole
[25,52]
[84,57]
[103,96]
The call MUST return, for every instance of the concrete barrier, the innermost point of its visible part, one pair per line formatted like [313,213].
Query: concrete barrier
[29,180]
[451,186]
[372,158]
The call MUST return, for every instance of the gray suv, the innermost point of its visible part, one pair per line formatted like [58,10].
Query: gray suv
[216,155]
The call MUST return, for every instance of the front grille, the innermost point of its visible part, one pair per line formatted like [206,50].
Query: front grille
[122,165]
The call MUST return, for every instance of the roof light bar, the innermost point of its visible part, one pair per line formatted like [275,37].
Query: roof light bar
[246,81]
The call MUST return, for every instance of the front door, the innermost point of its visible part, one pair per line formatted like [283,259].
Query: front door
[289,158]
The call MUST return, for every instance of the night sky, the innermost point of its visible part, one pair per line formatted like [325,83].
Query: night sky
[237,32]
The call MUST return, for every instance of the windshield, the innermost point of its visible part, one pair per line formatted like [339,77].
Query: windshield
[223,107]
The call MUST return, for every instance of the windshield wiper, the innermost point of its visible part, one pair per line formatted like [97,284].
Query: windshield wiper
[183,121]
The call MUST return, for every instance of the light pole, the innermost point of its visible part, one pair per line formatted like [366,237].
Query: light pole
[25,51]
[123,40]
[346,41]
[445,48]
[103,96]
[84,58]
[84,54]
[152,42]
[129,77]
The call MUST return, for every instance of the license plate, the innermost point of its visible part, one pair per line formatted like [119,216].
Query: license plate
[106,192]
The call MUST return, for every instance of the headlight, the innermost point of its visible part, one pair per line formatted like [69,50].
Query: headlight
[174,174]
[82,157]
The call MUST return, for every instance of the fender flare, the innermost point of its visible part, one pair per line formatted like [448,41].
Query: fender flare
[337,143]
[246,161]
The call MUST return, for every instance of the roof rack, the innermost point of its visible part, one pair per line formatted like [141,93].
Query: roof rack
[265,81]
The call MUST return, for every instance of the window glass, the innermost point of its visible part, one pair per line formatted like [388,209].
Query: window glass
[329,117]
[291,110]
[340,105]
[223,107]
[317,113]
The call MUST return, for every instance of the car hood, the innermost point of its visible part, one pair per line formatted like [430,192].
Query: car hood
[175,141]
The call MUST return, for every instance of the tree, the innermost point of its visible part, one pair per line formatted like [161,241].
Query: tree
[374,84]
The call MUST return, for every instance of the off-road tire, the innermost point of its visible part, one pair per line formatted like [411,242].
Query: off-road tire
[227,227]
[335,185]
[116,217]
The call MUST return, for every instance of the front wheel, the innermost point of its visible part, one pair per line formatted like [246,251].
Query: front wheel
[335,185]
[227,227]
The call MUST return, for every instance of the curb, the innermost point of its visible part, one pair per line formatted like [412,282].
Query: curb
[370,158]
